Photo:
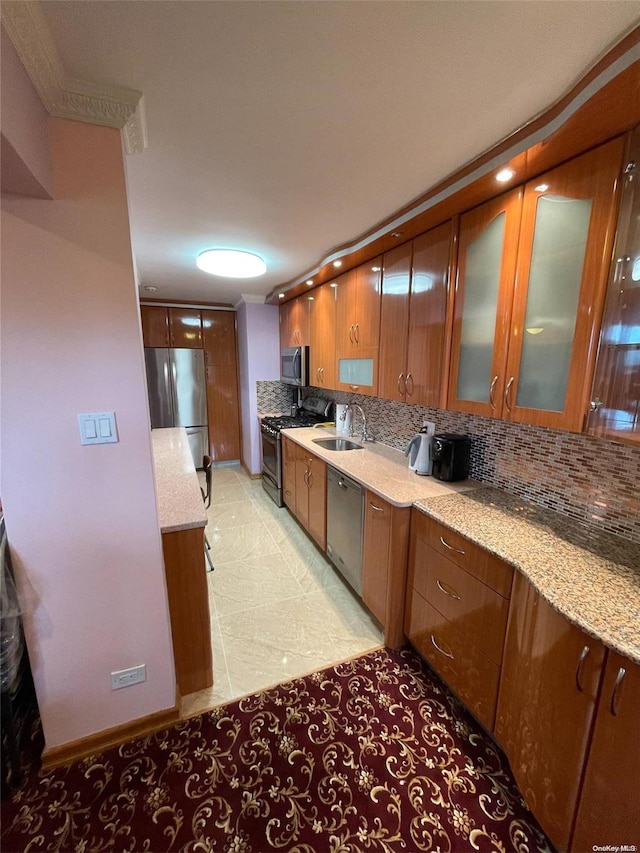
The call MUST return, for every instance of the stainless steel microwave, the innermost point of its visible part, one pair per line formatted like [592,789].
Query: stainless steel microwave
[294,365]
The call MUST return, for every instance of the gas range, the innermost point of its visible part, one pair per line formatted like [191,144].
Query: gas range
[315,410]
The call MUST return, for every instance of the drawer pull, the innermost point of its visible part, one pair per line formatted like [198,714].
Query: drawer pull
[442,651]
[449,592]
[583,655]
[451,548]
[614,693]
[377,508]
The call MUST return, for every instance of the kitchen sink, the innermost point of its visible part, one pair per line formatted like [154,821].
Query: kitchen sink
[337,444]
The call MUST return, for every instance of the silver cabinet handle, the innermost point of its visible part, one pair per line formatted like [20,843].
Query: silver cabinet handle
[507,391]
[443,588]
[614,693]
[442,651]
[491,388]
[407,381]
[351,333]
[357,333]
[304,477]
[354,387]
[583,655]
[401,379]
[377,508]
[451,548]
[310,479]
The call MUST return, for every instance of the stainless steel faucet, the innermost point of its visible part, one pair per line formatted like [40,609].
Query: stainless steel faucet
[365,432]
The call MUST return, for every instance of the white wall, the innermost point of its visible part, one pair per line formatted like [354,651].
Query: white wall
[82,520]
[259,352]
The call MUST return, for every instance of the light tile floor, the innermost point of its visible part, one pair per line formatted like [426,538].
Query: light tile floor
[279,608]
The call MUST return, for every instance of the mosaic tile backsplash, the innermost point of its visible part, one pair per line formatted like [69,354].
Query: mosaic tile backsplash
[592,480]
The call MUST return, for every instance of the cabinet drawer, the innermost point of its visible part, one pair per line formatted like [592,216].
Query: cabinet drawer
[489,569]
[475,609]
[460,662]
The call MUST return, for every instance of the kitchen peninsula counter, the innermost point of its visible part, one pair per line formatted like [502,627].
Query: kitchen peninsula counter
[182,521]
[180,504]
[591,578]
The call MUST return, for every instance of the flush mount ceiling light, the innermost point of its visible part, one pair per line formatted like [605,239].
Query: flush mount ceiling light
[231,263]
[309,282]
[541,188]
[504,175]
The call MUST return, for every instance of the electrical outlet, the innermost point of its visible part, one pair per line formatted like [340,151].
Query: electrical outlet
[127,677]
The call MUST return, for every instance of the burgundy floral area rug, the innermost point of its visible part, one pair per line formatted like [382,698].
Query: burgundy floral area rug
[371,755]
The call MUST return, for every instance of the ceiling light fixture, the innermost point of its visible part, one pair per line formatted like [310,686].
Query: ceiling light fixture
[309,282]
[504,175]
[375,269]
[541,188]
[231,263]
[337,263]
[281,296]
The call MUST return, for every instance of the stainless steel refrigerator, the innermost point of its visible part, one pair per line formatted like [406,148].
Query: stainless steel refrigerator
[176,383]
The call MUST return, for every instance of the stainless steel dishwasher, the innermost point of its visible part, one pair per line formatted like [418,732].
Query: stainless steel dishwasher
[345,501]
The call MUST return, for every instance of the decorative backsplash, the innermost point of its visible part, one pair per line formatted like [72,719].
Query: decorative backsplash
[274,397]
[592,480]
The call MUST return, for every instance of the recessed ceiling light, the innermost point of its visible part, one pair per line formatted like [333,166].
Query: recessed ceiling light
[231,263]
[333,284]
[505,175]
[541,188]
[281,296]
[397,233]
[337,263]
[375,269]
[309,281]
[150,289]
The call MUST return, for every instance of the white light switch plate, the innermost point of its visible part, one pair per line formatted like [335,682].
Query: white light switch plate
[98,428]
[127,677]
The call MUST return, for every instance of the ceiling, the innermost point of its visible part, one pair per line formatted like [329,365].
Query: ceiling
[289,128]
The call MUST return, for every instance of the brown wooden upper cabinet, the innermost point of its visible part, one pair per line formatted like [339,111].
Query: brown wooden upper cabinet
[322,333]
[532,269]
[415,281]
[294,322]
[185,328]
[155,326]
[223,399]
[358,328]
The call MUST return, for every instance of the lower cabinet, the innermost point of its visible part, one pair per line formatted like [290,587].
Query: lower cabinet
[609,806]
[550,696]
[456,611]
[384,560]
[305,489]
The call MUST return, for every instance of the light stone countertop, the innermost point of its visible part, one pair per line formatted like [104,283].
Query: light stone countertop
[591,578]
[180,504]
[379,468]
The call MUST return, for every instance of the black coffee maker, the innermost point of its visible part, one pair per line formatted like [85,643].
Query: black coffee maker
[450,454]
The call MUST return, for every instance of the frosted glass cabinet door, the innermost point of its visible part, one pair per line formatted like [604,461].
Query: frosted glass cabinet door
[563,258]
[486,268]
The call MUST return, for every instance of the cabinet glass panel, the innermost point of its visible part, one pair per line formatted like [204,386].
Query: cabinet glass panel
[356,371]
[481,284]
[616,388]
[555,276]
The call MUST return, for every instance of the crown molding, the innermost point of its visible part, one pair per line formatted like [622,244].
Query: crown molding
[62,95]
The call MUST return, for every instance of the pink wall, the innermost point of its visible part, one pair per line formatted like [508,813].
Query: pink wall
[26,165]
[259,348]
[82,520]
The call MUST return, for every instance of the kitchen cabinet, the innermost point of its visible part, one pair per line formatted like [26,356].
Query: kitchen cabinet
[322,335]
[289,472]
[384,560]
[294,322]
[456,611]
[155,326]
[548,692]
[608,806]
[532,267]
[223,401]
[415,285]
[185,328]
[358,328]
[614,406]
[305,489]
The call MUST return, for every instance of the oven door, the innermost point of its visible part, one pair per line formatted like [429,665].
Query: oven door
[271,459]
